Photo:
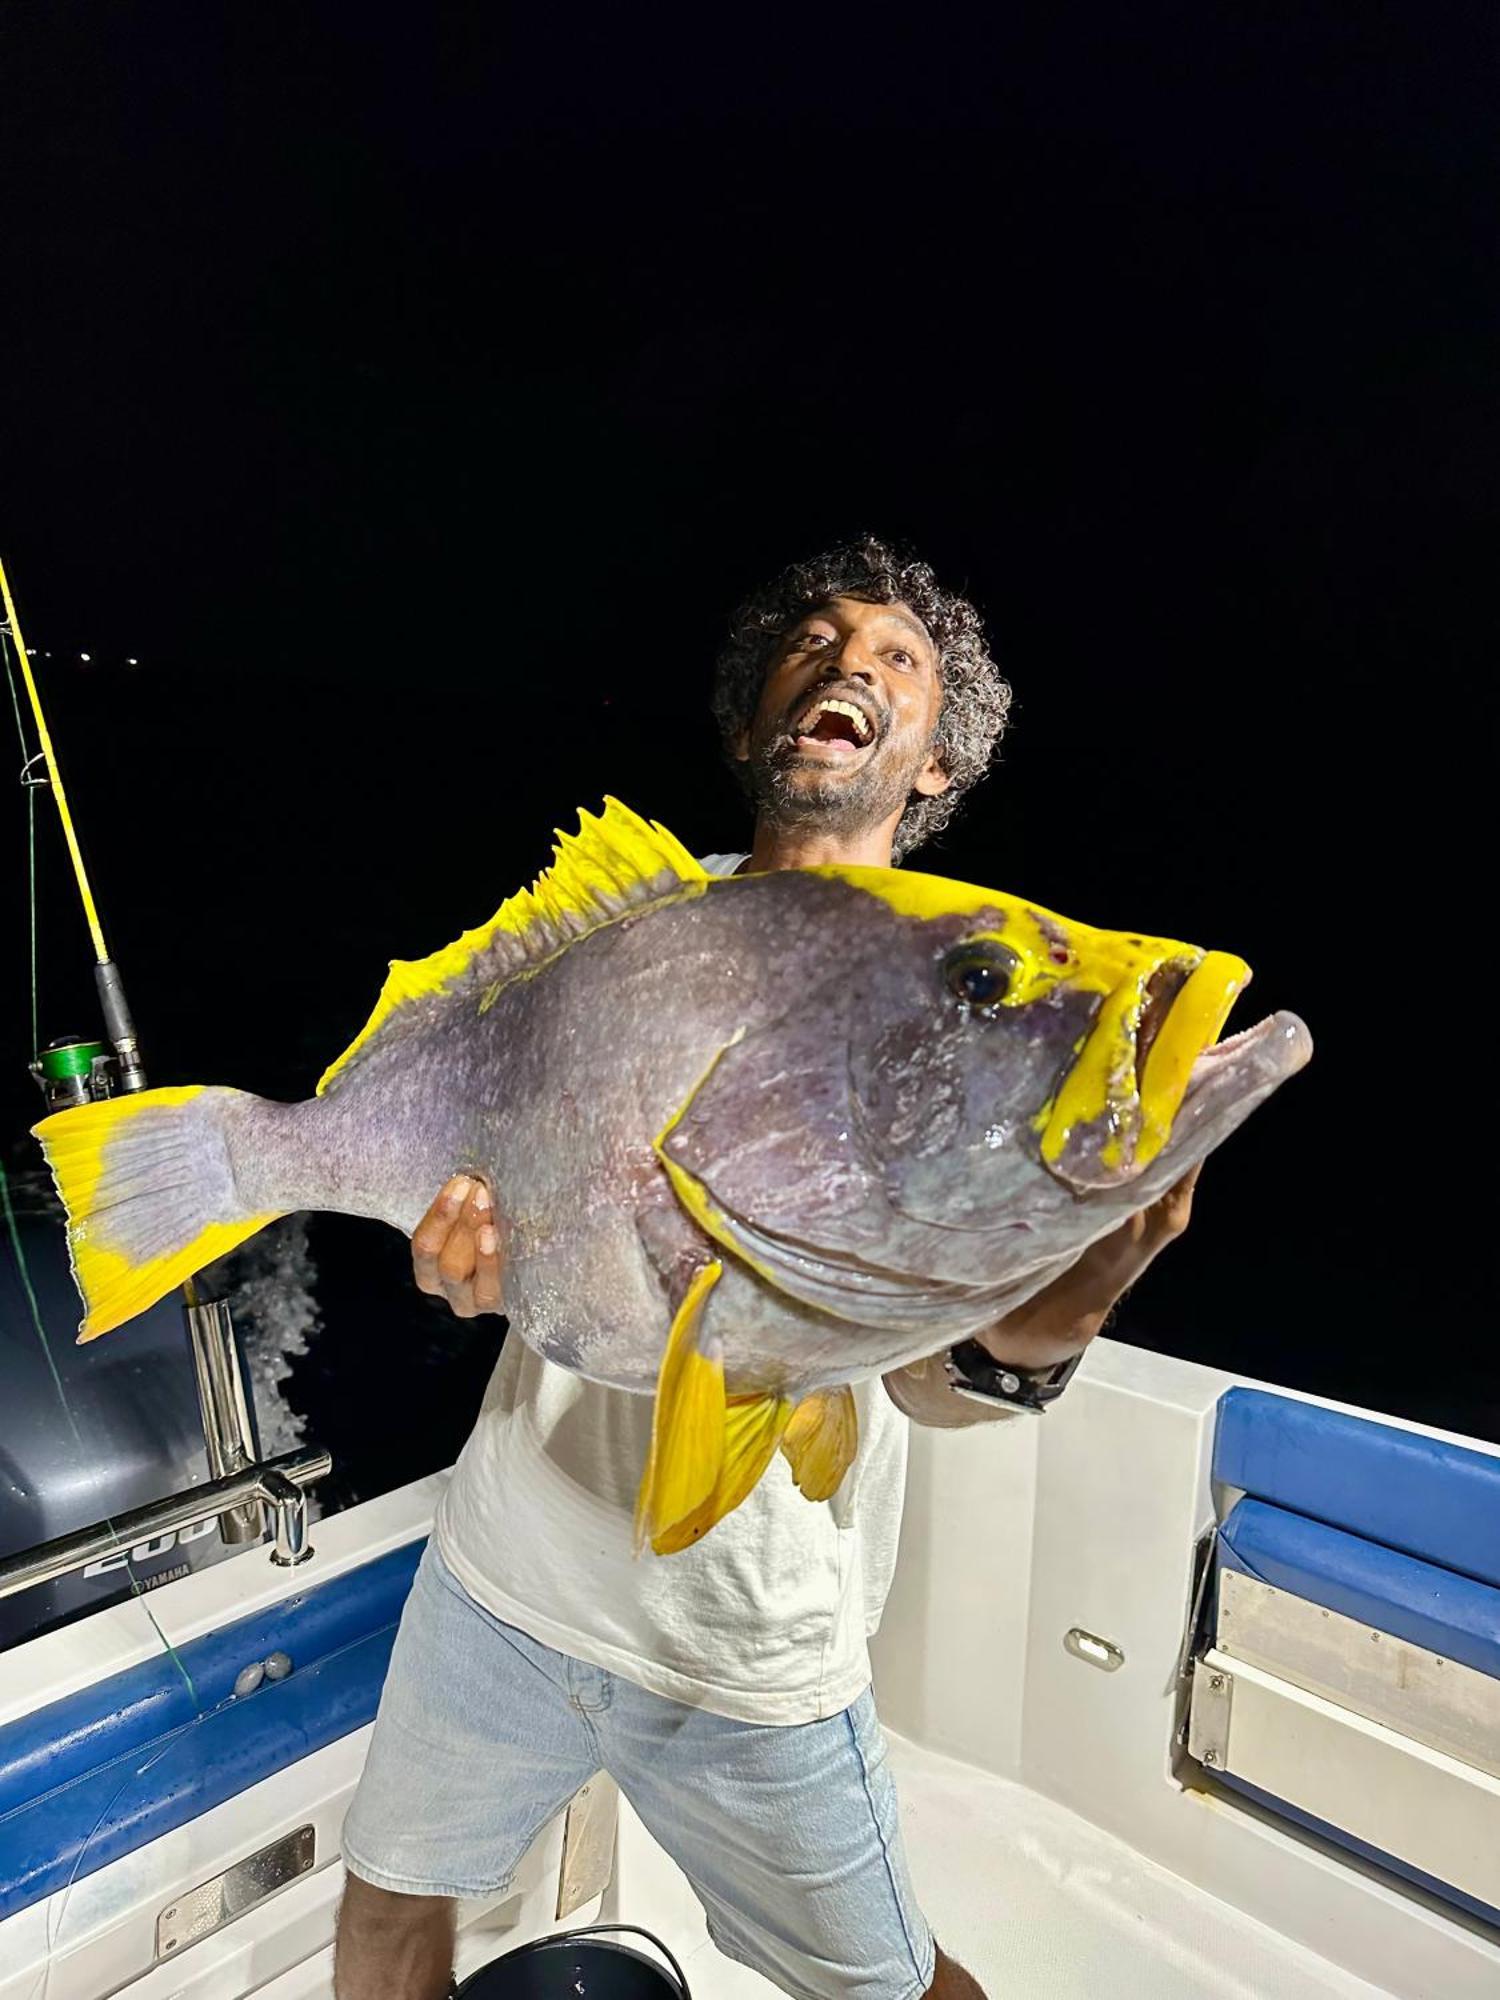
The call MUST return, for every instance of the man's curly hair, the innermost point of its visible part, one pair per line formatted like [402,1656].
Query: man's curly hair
[976,697]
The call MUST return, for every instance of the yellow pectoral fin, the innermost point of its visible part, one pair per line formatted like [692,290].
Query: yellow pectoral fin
[821,1441]
[753,1427]
[688,1422]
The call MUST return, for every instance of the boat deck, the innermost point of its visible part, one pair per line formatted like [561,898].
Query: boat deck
[1033,1899]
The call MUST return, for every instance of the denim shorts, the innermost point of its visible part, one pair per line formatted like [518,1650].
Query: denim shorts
[789,1835]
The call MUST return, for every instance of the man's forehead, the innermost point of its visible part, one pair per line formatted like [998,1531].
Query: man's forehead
[864,611]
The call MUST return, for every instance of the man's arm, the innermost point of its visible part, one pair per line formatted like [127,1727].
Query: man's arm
[1057,1322]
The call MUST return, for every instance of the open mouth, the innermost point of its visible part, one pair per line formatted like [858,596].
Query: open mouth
[1208,1058]
[1162,989]
[833,724]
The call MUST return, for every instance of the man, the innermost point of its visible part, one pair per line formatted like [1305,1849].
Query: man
[726,1688]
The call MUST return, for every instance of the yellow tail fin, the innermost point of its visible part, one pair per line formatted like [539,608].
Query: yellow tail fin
[146,1184]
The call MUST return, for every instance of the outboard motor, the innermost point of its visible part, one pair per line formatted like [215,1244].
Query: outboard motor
[89,1433]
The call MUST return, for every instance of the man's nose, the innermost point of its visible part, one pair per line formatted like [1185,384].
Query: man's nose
[850,661]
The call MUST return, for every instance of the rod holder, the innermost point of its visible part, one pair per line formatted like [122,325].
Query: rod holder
[227,1436]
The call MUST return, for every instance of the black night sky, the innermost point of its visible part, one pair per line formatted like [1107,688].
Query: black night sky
[413,392]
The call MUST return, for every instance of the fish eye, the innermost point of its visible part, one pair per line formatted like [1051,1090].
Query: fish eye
[980,974]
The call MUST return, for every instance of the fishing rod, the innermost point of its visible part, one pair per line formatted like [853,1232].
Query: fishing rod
[75,1070]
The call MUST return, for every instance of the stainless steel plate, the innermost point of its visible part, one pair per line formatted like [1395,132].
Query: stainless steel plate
[222,1898]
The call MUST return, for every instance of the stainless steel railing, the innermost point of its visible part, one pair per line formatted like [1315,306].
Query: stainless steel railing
[278,1484]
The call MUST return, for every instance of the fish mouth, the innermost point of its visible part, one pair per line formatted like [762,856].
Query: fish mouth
[1162,989]
[1115,1109]
[1186,1090]
[1279,1045]
[836,723]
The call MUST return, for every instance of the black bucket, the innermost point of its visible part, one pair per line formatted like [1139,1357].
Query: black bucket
[580,1963]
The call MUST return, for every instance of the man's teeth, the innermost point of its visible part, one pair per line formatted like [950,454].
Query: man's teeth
[857,716]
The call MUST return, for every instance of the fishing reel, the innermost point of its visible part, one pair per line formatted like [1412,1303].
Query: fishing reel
[71,1071]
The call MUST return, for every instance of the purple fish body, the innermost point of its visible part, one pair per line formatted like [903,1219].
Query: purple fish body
[800,1128]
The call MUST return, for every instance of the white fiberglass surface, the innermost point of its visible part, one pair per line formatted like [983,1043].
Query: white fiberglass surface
[1038,1903]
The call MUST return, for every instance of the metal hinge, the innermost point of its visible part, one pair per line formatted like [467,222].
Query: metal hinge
[1208,1716]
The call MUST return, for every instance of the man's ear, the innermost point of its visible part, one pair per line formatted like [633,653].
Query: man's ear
[932,778]
[739,746]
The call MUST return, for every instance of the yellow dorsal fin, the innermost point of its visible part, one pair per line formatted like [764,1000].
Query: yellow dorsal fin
[614,863]
[821,1440]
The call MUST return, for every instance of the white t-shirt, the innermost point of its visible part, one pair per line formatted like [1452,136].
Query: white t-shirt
[766,1619]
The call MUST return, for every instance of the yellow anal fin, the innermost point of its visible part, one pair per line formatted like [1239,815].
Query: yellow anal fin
[753,1427]
[688,1421]
[821,1441]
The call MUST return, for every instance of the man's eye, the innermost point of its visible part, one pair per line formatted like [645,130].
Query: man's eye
[902,658]
[814,639]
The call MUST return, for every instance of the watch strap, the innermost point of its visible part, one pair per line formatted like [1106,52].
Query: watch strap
[975,1372]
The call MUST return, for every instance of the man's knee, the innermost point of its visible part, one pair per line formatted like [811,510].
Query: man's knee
[951,1982]
[390,1946]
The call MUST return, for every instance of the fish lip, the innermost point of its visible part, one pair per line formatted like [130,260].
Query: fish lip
[838,691]
[1240,1072]
[1280,1042]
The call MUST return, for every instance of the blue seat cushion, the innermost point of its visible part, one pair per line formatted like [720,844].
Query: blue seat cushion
[1432,1500]
[117,1764]
[1431,1607]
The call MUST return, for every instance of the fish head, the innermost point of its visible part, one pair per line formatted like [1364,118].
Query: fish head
[1023,1044]
[968,1083]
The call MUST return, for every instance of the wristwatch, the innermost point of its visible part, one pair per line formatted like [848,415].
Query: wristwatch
[974,1372]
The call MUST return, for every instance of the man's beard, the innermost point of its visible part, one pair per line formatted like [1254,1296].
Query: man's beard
[793,797]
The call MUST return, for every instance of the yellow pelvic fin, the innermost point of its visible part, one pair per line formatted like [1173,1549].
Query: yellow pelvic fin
[753,1427]
[821,1440]
[612,864]
[108,1170]
[688,1421]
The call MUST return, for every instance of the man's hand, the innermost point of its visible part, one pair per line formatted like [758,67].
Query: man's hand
[1058,1321]
[1068,1313]
[455,1249]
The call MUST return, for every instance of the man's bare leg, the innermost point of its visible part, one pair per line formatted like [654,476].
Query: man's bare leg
[951,1982]
[394,1947]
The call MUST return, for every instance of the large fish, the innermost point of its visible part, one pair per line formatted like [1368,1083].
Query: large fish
[753,1139]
